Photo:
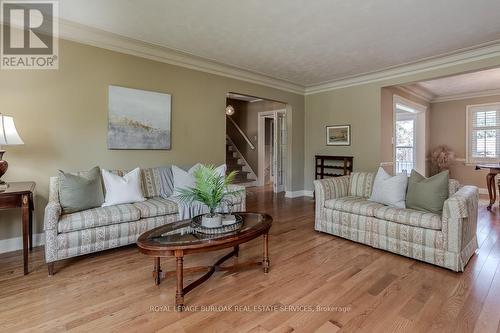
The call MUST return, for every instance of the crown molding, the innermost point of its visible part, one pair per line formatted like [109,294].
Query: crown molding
[479,52]
[417,92]
[456,97]
[99,38]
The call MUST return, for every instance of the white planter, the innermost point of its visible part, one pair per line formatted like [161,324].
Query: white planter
[211,222]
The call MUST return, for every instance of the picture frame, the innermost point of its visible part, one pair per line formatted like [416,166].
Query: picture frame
[139,119]
[338,135]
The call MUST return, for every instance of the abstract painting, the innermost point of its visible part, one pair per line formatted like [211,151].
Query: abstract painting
[138,119]
[339,135]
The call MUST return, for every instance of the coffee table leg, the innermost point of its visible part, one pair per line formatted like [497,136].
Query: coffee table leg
[157,270]
[265,261]
[236,250]
[179,295]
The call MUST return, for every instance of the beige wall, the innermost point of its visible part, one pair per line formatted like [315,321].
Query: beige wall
[360,106]
[62,117]
[448,127]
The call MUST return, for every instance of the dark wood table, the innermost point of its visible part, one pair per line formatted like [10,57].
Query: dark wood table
[177,239]
[20,195]
[494,169]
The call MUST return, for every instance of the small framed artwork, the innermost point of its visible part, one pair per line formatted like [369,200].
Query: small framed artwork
[339,135]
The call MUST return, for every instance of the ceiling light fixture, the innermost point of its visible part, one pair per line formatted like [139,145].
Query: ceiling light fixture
[229,110]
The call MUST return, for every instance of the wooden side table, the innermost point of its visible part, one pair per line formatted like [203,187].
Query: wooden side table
[322,170]
[20,195]
[494,169]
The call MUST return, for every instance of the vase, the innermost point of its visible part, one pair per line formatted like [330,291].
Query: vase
[211,221]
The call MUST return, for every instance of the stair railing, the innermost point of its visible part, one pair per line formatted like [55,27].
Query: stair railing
[241,132]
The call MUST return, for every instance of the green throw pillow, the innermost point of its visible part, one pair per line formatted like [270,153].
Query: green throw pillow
[83,192]
[427,194]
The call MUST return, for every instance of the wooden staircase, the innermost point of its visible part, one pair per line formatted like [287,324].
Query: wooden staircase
[236,162]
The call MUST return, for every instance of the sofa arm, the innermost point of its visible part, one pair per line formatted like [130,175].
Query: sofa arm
[238,198]
[460,219]
[331,188]
[51,217]
[328,188]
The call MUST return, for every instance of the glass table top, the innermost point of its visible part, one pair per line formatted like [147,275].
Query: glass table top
[179,234]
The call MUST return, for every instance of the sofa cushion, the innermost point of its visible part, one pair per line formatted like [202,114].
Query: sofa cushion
[122,189]
[151,182]
[354,205]
[156,207]
[416,218]
[427,194]
[80,192]
[389,190]
[97,217]
[361,184]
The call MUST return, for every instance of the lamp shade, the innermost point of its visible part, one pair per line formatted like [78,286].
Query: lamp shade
[8,132]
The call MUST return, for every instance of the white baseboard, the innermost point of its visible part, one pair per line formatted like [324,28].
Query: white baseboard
[301,193]
[483,191]
[16,243]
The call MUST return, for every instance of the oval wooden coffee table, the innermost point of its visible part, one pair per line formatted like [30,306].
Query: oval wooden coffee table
[177,239]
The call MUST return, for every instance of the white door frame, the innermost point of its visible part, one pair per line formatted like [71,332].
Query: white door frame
[261,143]
[420,128]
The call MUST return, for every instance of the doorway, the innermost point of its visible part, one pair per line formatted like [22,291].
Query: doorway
[409,136]
[272,141]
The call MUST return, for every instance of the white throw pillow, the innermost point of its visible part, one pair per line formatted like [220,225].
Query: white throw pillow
[121,190]
[221,170]
[185,179]
[389,190]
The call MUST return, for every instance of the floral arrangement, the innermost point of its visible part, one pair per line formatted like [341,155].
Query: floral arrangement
[442,157]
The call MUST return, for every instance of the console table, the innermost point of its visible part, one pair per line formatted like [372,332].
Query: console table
[333,166]
[20,195]
[494,169]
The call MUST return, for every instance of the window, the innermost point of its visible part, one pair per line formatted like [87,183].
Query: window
[405,145]
[409,136]
[483,133]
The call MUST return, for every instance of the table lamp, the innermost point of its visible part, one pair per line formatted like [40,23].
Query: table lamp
[8,137]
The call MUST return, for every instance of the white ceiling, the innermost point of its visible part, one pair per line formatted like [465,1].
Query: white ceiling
[304,42]
[482,81]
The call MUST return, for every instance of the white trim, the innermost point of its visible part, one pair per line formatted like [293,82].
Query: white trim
[456,97]
[16,243]
[297,194]
[420,142]
[417,92]
[96,37]
[468,159]
[383,164]
[261,142]
[462,56]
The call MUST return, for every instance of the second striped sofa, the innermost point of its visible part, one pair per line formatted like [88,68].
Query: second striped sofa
[343,209]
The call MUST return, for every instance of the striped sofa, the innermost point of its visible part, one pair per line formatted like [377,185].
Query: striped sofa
[98,229]
[343,209]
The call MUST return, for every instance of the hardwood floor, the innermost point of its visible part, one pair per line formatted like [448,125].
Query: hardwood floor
[372,290]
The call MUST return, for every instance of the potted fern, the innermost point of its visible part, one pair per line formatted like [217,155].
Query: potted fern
[211,189]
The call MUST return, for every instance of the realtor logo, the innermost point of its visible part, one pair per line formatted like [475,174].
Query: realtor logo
[29,35]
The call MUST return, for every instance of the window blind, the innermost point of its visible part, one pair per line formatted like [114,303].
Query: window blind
[484,133]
